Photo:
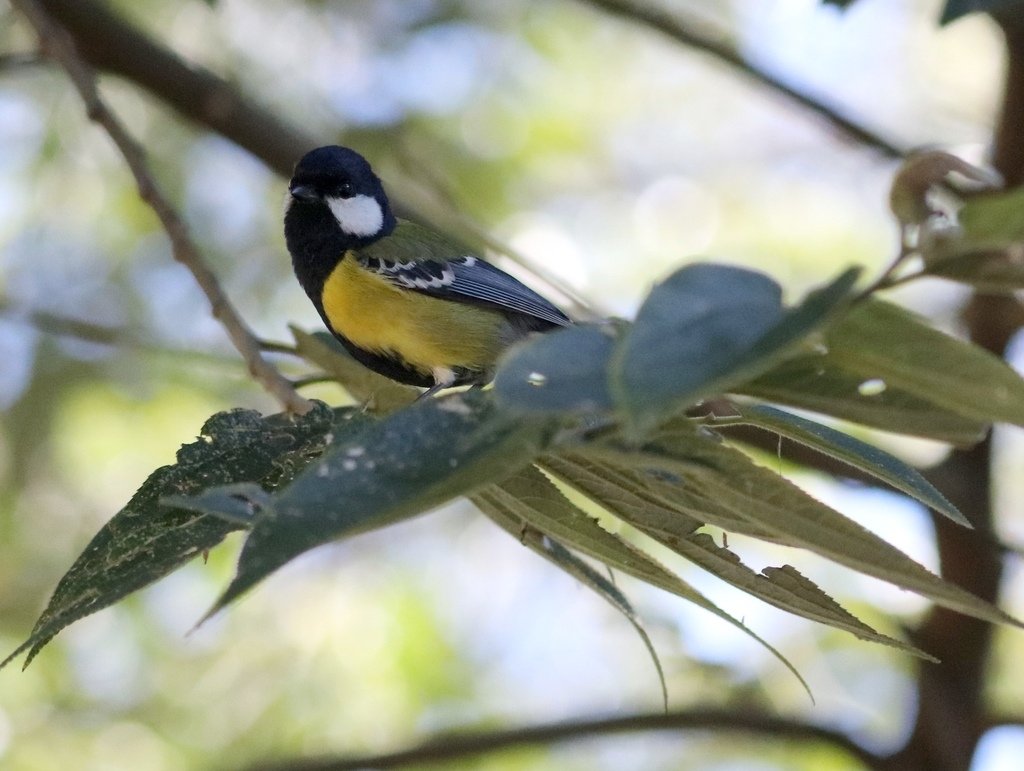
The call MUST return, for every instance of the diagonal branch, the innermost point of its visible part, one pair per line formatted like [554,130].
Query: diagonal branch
[56,42]
[111,44]
[448,749]
[687,33]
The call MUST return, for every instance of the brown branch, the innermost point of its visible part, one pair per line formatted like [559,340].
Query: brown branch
[952,713]
[58,44]
[110,43]
[1008,149]
[448,749]
[686,32]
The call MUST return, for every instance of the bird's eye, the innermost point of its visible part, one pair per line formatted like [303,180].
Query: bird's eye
[345,190]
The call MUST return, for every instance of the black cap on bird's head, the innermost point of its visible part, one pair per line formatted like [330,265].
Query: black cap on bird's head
[335,196]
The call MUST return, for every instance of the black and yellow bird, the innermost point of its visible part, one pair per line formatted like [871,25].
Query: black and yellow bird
[405,301]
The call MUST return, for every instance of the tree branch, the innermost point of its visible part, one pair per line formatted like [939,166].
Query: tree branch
[110,43]
[56,42]
[952,713]
[687,33]
[448,749]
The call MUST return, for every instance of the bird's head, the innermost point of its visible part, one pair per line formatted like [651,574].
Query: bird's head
[334,188]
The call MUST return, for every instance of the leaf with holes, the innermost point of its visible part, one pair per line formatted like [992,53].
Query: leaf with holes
[148,539]
[395,468]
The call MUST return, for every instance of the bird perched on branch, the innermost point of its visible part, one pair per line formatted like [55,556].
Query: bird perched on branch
[405,301]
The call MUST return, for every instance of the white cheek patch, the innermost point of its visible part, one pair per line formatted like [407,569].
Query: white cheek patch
[359,215]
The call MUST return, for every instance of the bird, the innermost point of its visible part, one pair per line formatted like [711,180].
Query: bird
[404,300]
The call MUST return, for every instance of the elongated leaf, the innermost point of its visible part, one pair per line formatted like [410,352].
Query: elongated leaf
[787,590]
[784,587]
[994,219]
[366,386]
[538,503]
[987,251]
[761,496]
[499,513]
[622,496]
[817,382]
[564,371]
[667,506]
[858,454]
[146,540]
[705,328]
[996,271]
[401,466]
[882,341]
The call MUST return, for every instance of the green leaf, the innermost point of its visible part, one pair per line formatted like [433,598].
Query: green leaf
[796,519]
[705,328]
[954,9]
[994,219]
[564,371]
[148,539]
[412,461]
[675,531]
[618,493]
[996,272]
[847,449]
[366,386]
[538,503]
[817,382]
[665,507]
[987,251]
[784,588]
[499,513]
[534,500]
[884,342]
[787,585]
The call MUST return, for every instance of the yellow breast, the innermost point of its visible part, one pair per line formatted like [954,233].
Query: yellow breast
[425,332]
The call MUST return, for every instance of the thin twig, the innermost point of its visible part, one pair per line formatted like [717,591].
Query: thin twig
[317,379]
[447,749]
[274,346]
[16,60]
[65,326]
[57,43]
[885,279]
[686,32]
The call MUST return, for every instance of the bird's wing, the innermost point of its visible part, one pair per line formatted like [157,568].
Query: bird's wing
[423,261]
[467,279]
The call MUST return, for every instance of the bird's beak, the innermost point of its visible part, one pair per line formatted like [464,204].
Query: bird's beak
[303,193]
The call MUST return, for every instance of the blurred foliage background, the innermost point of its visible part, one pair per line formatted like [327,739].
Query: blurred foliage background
[595,148]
